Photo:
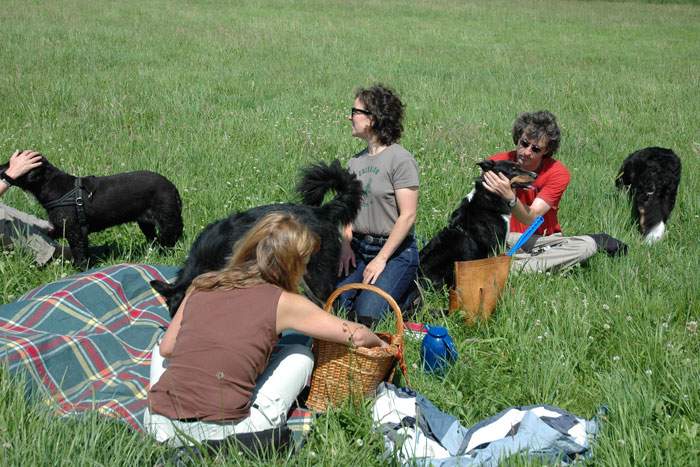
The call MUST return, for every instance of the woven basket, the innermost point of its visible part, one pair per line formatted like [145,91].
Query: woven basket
[343,372]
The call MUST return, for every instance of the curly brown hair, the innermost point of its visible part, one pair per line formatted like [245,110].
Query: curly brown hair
[536,125]
[386,110]
[274,251]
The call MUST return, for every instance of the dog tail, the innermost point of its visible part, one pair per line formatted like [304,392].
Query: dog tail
[318,179]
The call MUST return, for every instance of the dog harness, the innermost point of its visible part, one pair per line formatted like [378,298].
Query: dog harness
[73,197]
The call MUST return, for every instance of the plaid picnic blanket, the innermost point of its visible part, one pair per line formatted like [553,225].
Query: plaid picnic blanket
[85,342]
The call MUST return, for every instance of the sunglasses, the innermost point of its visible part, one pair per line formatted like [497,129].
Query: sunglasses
[354,111]
[524,143]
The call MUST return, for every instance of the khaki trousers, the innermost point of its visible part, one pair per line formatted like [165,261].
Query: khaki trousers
[21,230]
[551,252]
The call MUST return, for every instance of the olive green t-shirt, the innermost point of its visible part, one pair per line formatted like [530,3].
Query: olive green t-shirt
[381,175]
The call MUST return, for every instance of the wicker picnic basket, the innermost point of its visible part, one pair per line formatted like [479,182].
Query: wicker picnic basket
[344,372]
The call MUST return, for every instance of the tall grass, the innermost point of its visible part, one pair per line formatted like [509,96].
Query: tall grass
[230,99]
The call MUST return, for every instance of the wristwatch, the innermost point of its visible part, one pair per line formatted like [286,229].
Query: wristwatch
[513,202]
[7,179]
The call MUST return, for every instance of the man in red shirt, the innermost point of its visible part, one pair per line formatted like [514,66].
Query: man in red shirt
[537,137]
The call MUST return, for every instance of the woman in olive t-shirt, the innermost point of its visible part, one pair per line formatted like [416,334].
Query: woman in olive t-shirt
[380,244]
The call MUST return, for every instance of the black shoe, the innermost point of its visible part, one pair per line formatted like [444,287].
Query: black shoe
[608,244]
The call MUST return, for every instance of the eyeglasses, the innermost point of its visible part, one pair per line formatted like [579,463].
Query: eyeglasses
[524,143]
[354,111]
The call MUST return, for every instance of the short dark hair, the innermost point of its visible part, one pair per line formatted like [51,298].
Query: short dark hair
[386,111]
[536,125]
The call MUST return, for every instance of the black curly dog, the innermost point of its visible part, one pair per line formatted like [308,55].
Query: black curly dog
[214,245]
[77,206]
[477,229]
[651,177]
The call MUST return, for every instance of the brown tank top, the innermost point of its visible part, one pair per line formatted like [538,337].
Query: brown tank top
[224,343]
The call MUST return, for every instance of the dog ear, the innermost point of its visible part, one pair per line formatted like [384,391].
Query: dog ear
[486,165]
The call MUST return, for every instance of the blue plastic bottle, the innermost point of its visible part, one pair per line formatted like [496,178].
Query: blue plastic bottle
[437,350]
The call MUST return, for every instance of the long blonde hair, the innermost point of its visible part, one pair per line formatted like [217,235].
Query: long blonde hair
[275,250]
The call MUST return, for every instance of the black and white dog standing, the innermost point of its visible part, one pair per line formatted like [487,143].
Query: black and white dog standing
[476,229]
[651,177]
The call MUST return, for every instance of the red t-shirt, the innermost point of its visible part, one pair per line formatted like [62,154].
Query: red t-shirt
[552,179]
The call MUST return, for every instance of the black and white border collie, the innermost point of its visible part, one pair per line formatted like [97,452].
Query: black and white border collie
[476,229]
[651,177]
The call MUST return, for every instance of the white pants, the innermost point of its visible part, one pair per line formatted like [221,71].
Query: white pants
[551,252]
[276,390]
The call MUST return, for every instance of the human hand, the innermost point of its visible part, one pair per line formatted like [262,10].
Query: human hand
[347,258]
[363,337]
[373,270]
[498,184]
[23,162]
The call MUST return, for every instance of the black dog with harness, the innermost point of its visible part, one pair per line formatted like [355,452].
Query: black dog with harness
[77,206]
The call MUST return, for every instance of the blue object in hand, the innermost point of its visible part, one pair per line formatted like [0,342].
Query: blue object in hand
[437,350]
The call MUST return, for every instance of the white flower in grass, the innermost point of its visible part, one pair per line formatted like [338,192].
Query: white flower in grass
[616,358]
[590,338]
[537,322]
[359,443]
[617,297]
[606,307]
[692,326]
[606,326]
[669,345]
[539,338]
[312,454]
[664,325]
[647,372]
[621,442]
[629,318]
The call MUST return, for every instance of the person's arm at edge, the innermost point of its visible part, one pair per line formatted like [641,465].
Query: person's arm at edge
[20,163]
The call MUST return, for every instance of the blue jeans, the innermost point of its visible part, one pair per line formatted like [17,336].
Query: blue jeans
[397,277]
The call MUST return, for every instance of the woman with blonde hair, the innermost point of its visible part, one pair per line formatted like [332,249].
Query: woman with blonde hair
[222,376]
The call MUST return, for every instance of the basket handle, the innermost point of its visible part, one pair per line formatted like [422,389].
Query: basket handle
[373,288]
[394,306]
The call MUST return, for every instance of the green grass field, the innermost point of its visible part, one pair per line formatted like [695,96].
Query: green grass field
[230,99]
